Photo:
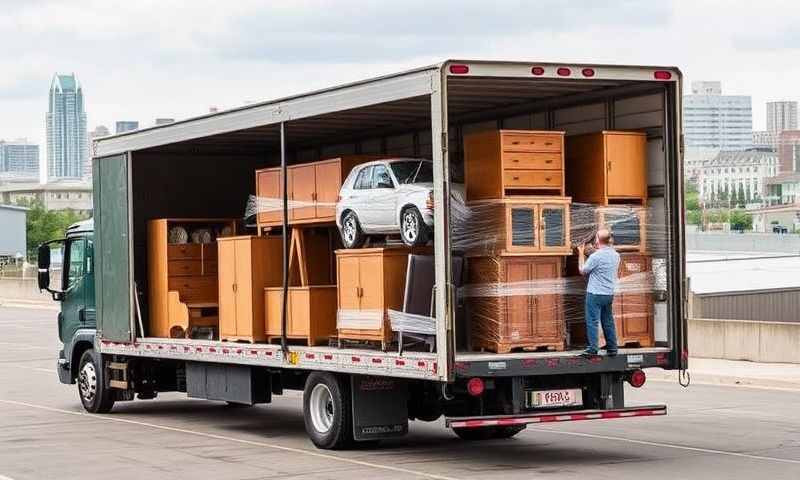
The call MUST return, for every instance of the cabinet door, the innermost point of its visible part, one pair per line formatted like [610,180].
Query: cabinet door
[521,228]
[269,192]
[547,306]
[626,157]
[518,322]
[328,182]
[227,295]
[303,192]
[371,282]
[244,289]
[348,288]
[553,227]
[636,316]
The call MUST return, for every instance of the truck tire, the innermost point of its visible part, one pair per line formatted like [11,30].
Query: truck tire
[327,411]
[93,389]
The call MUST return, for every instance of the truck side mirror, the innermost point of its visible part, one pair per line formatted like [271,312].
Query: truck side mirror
[44,266]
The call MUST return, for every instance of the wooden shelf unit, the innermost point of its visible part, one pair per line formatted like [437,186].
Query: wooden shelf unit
[181,278]
[505,163]
[607,167]
[508,320]
[521,226]
[314,186]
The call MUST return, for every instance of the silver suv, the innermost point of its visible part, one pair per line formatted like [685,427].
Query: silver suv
[387,197]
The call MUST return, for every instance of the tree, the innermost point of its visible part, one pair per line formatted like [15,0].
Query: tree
[741,220]
[43,225]
[740,198]
[694,217]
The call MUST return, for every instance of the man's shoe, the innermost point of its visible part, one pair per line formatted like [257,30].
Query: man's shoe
[611,353]
[588,354]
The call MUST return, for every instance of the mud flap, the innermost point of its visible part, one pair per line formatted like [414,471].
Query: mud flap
[380,407]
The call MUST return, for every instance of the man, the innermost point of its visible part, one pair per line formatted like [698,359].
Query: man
[601,268]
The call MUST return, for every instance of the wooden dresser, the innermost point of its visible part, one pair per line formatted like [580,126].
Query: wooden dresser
[182,277]
[313,186]
[514,303]
[502,163]
[370,281]
[247,265]
[607,167]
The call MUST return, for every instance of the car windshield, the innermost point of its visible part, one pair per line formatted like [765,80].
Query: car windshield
[413,171]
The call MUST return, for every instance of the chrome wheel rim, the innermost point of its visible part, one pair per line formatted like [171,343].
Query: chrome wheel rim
[321,406]
[349,229]
[410,226]
[87,382]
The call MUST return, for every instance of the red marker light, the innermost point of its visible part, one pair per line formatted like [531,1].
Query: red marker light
[475,387]
[459,69]
[637,378]
[537,71]
[588,72]
[662,75]
[564,72]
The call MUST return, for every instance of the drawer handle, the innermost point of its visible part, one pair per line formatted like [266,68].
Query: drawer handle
[547,179]
[516,142]
[515,160]
[548,143]
[548,161]
[516,178]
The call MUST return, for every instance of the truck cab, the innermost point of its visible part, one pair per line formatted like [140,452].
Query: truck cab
[77,320]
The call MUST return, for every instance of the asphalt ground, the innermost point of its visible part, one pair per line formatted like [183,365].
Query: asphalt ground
[711,432]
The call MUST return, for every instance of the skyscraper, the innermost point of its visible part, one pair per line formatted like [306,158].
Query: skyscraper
[126,126]
[781,116]
[67,144]
[715,121]
[19,158]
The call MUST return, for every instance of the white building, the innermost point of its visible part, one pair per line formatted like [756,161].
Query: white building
[60,195]
[734,171]
[67,143]
[715,121]
[781,116]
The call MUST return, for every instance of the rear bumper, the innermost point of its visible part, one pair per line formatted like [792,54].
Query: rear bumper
[547,417]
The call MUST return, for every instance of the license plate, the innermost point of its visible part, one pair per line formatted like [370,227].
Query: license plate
[555,398]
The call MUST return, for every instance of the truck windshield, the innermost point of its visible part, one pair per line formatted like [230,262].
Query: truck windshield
[413,171]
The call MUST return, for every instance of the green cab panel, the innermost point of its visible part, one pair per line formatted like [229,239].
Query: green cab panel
[113,289]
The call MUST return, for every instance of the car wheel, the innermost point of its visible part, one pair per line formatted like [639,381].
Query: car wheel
[95,395]
[413,230]
[352,235]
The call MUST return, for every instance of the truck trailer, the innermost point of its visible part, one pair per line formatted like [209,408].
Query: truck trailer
[204,167]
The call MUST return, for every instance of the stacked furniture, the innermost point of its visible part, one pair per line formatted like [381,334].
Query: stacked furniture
[519,217]
[608,172]
[182,277]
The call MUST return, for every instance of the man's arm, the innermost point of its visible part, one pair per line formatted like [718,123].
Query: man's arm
[585,266]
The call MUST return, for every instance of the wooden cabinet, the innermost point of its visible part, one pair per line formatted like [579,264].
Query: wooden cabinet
[633,305]
[607,167]
[627,223]
[313,189]
[503,163]
[246,266]
[311,313]
[514,303]
[520,226]
[370,281]
[181,277]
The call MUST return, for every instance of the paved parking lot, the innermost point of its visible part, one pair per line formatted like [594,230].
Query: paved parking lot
[711,432]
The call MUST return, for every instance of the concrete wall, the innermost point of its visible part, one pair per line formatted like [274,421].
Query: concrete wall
[26,289]
[743,242]
[774,305]
[776,342]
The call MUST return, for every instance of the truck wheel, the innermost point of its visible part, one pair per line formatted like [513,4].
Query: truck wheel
[327,411]
[95,394]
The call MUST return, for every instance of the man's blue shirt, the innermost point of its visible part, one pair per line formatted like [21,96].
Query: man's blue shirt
[601,268]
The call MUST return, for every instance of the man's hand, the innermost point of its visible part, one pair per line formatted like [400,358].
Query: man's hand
[581,249]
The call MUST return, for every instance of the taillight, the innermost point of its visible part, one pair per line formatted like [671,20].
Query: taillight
[429,201]
[662,75]
[564,72]
[475,386]
[637,378]
[459,69]
[537,70]
[588,72]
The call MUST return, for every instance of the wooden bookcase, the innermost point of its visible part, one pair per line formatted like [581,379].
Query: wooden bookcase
[311,313]
[247,265]
[607,167]
[314,186]
[523,309]
[181,278]
[370,281]
[503,163]
[520,226]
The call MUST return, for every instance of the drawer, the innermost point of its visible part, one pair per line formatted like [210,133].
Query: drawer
[183,250]
[210,251]
[195,288]
[531,178]
[520,142]
[532,160]
[184,267]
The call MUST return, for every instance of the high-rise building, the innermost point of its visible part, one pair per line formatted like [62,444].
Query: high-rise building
[716,121]
[67,144]
[126,126]
[164,121]
[781,116]
[19,158]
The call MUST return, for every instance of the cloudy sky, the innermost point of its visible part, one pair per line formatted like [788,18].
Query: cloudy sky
[144,59]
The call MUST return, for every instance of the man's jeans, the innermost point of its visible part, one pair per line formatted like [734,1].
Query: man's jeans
[598,307]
